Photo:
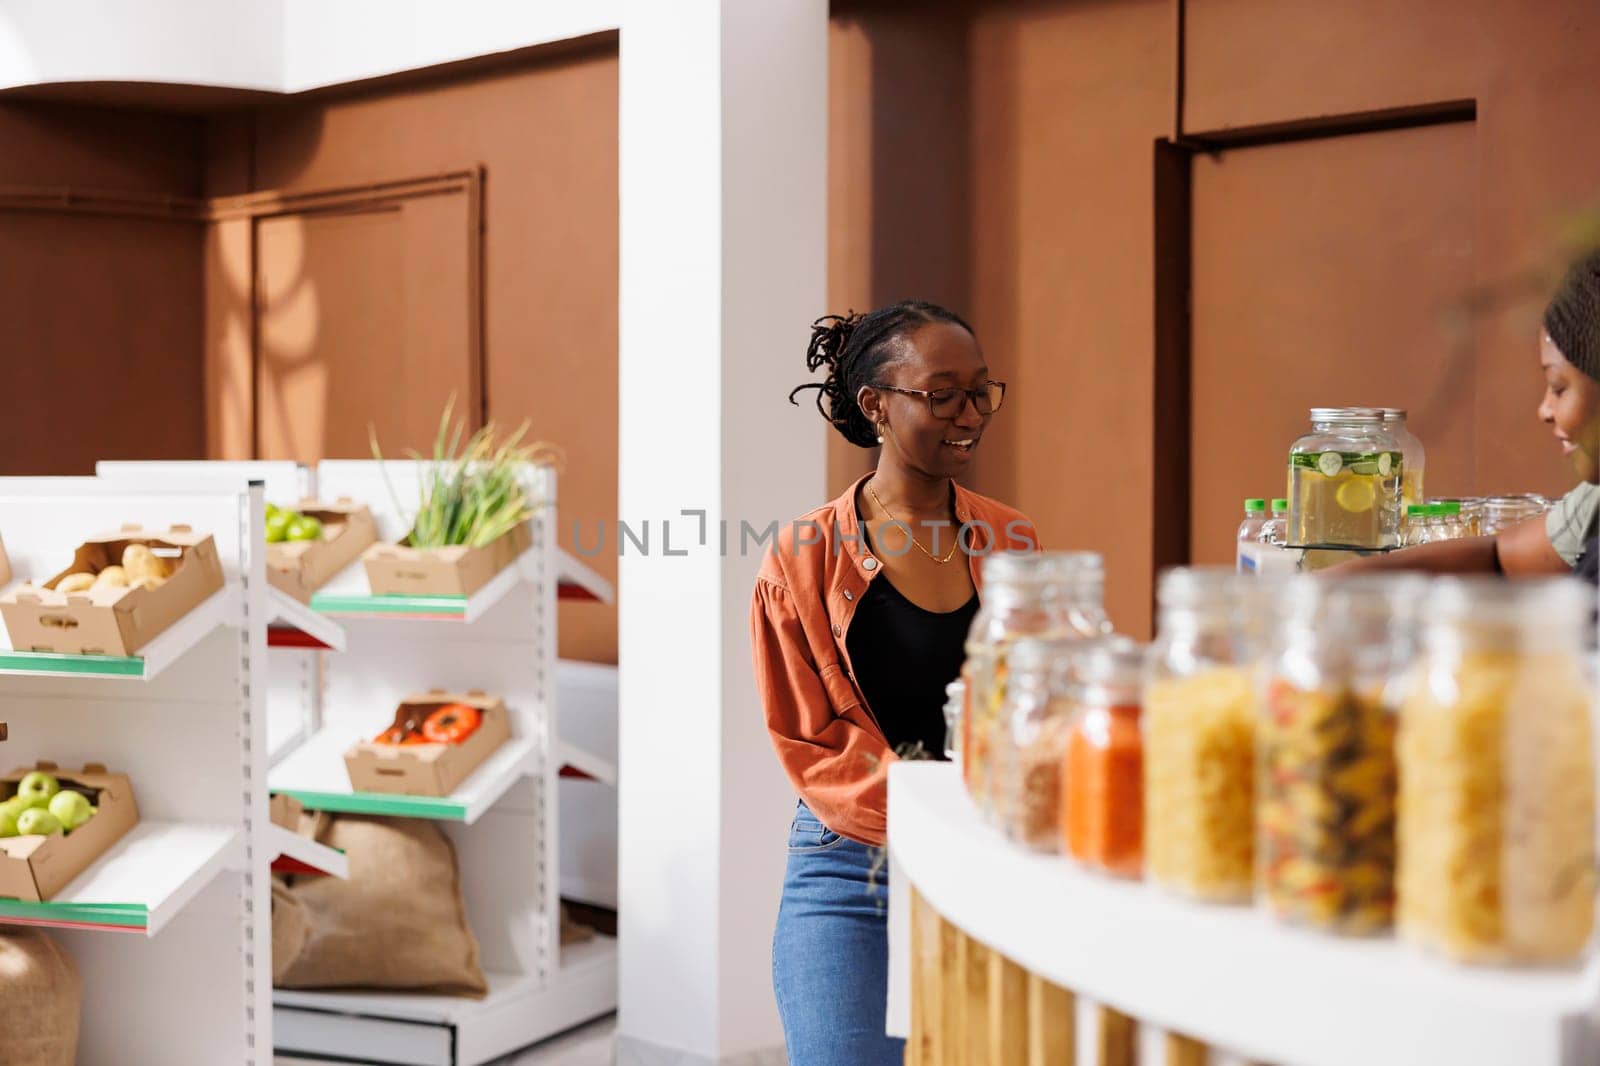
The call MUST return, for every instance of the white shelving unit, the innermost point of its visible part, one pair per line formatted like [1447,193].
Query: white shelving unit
[502,820]
[185,720]
[1228,976]
[295,633]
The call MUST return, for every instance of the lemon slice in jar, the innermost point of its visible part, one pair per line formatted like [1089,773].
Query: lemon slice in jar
[1356,495]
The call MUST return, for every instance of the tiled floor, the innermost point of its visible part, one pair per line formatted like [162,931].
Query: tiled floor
[591,1045]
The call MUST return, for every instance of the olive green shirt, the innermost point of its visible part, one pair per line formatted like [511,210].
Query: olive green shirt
[1572,522]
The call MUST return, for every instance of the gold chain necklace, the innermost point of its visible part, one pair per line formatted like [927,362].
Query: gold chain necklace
[948,555]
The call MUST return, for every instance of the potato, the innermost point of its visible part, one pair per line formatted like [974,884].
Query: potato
[79,582]
[140,562]
[148,582]
[112,577]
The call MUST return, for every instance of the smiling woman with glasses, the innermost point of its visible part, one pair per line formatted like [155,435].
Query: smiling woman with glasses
[858,623]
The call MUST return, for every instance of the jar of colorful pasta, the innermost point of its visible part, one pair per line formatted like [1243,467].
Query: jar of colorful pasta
[1497,786]
[1199,736]
[1326,791]
[1042,594]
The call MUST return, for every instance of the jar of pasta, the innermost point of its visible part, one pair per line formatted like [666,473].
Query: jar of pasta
[1102,789]
[1041,594]
[1199,736]
[1326,791]
[1497,786]
[1037,712]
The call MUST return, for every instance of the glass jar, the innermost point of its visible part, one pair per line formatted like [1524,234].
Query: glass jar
[1497,786]
[1416,528]
[954,695]
[1500,513]
[1199,736]
[1102,789]
[1037,711]
[1411,450]
[1326,791]
[1345,481]
[1463,516]
[1038,594]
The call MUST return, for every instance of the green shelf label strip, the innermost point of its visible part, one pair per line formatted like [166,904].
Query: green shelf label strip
[50,662]
[131,915]
[435,807]
[395,604]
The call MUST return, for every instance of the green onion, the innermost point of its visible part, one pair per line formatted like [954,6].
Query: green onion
[470,493]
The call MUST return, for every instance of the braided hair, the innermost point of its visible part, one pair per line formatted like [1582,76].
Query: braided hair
[1573,317]
[855,348]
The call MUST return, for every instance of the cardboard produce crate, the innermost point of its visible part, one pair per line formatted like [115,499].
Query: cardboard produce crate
[428,769]
[35,868]
[460,571]
[301,567]
[285,811]
[114,620]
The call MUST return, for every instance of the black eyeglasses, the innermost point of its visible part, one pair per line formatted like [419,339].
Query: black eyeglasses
[949,403]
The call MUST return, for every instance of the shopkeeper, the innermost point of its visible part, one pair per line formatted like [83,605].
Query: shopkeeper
[859,618]
[1569,354]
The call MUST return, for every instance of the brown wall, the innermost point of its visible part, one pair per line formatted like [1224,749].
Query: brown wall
[1403,267]
[545,133]
[1018,136]
[1000,157]
[101,343]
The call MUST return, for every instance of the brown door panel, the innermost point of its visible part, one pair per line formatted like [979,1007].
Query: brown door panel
[363,318]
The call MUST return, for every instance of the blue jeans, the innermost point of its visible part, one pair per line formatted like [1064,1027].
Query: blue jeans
[830,953]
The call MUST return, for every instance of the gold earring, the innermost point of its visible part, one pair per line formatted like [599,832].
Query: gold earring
[880,432]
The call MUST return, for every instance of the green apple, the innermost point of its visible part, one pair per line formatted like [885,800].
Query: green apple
[278,526]
[37,788]
[72,808]
[304,527]
[35,822]
[8,821]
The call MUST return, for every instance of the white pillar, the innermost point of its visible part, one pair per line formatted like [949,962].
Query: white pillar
[723,190]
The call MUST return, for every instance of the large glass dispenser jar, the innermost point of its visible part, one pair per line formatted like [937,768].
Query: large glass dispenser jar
[1199,736]
[1416,459]
[1040,594]
[1345,481]
[1326,793]
[1497,774]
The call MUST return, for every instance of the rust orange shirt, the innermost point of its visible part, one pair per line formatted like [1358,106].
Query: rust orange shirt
[810,582]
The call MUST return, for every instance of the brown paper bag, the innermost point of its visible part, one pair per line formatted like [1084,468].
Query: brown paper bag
[397,923]
[289,928]
[41,993]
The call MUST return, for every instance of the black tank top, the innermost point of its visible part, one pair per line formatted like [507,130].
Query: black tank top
[903,657]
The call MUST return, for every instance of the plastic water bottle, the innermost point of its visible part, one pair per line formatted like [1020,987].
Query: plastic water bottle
[1255,516]
[1275,531]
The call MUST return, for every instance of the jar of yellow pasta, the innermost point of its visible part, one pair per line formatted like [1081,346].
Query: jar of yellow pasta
[1199,736]
[1325,741]
[1046,595]
[1497,788]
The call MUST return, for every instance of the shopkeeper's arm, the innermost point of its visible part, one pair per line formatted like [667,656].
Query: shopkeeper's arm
[837,762]
[1524,550]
